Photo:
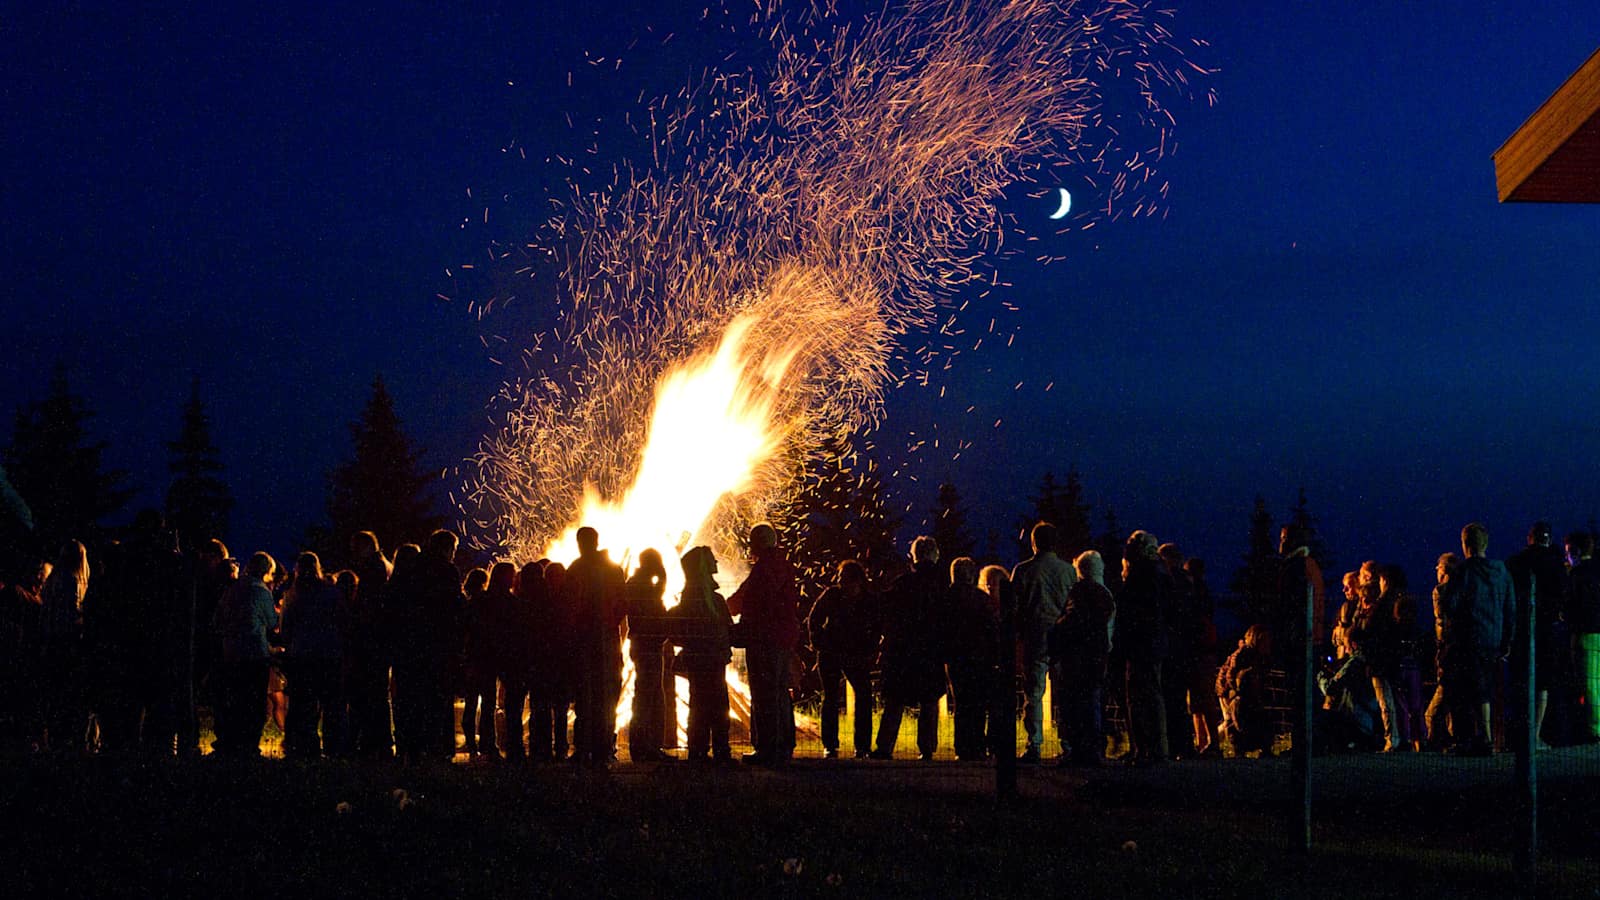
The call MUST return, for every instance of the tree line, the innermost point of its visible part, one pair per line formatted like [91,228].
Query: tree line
[60,470]
[840,512]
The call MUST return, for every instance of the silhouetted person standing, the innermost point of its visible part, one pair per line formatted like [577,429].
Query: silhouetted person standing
[1541,570]
[1143,613]
[844,634]
[1583,618]
[1177,670]
[595,589]
[61,627]
[549,669]
[244,624]
[971,638]
[704,658]
[910,657]
[767,606]
[367,650]
[646,609]
[1080,644]
[1478,628]
[494,628]
[1040,586]
[429,613]
[313,662]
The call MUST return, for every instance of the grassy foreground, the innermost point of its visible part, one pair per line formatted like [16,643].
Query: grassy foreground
[215,827]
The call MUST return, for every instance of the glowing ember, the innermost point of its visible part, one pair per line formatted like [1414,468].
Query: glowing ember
[745,297]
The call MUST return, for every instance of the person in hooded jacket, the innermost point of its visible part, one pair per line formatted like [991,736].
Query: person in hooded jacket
[704,626]
[767,606]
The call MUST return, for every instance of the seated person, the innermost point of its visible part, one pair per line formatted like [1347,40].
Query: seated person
[1242,694]
[1349,718]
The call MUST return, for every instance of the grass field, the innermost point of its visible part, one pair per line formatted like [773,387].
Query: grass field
[102,826]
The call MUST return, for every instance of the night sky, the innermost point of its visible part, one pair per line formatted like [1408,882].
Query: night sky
[270,200]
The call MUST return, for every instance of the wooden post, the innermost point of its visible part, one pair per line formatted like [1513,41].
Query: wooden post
[1525,697]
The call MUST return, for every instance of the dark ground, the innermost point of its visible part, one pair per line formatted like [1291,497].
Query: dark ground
[1403,826]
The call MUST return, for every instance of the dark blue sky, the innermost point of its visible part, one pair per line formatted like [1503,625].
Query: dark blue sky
[1335,300]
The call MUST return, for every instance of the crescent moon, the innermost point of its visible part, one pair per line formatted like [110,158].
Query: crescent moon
[1066,204]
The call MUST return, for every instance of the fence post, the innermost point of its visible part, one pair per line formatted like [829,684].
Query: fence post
[1005,750]
[1301,693]
[1525,698]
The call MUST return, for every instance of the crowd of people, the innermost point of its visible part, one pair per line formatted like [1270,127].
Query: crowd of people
[122,648]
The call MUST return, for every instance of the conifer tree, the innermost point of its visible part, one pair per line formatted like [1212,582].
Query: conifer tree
[198,500]
[1062,506]
[1110,544]
[60,470]
[382,488]
[950,525]
[1255,582]
[1300,515]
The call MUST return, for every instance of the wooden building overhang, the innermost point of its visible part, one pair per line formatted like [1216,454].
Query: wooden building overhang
[1554,157]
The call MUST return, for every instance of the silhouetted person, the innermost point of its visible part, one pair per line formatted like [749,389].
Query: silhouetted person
[1477,632]
[367,650]
[312,662]
[995,582]
[245,620]
[767,605]
[427,596]
[1202,640]
[595,587]
[207,571]
[1242,693]
[1080,644]
[972,647]
[1373,637]
[21,608]
[509,654]
[844,634]
[1040,585]
[1177,669]
[1349,717]
[1583,618]
[646,609]
[138,627]
[1437,716]
[1542,567]
[703,661]
[497,629]
[66,714]
[1407,684]
[910,658]
[550,659]
[1143,613]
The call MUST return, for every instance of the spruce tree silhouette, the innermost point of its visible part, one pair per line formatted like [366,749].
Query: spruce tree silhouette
[60,470]
[1255,583]
[198,500]
[950,524]
[1063,506]
[382,488]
